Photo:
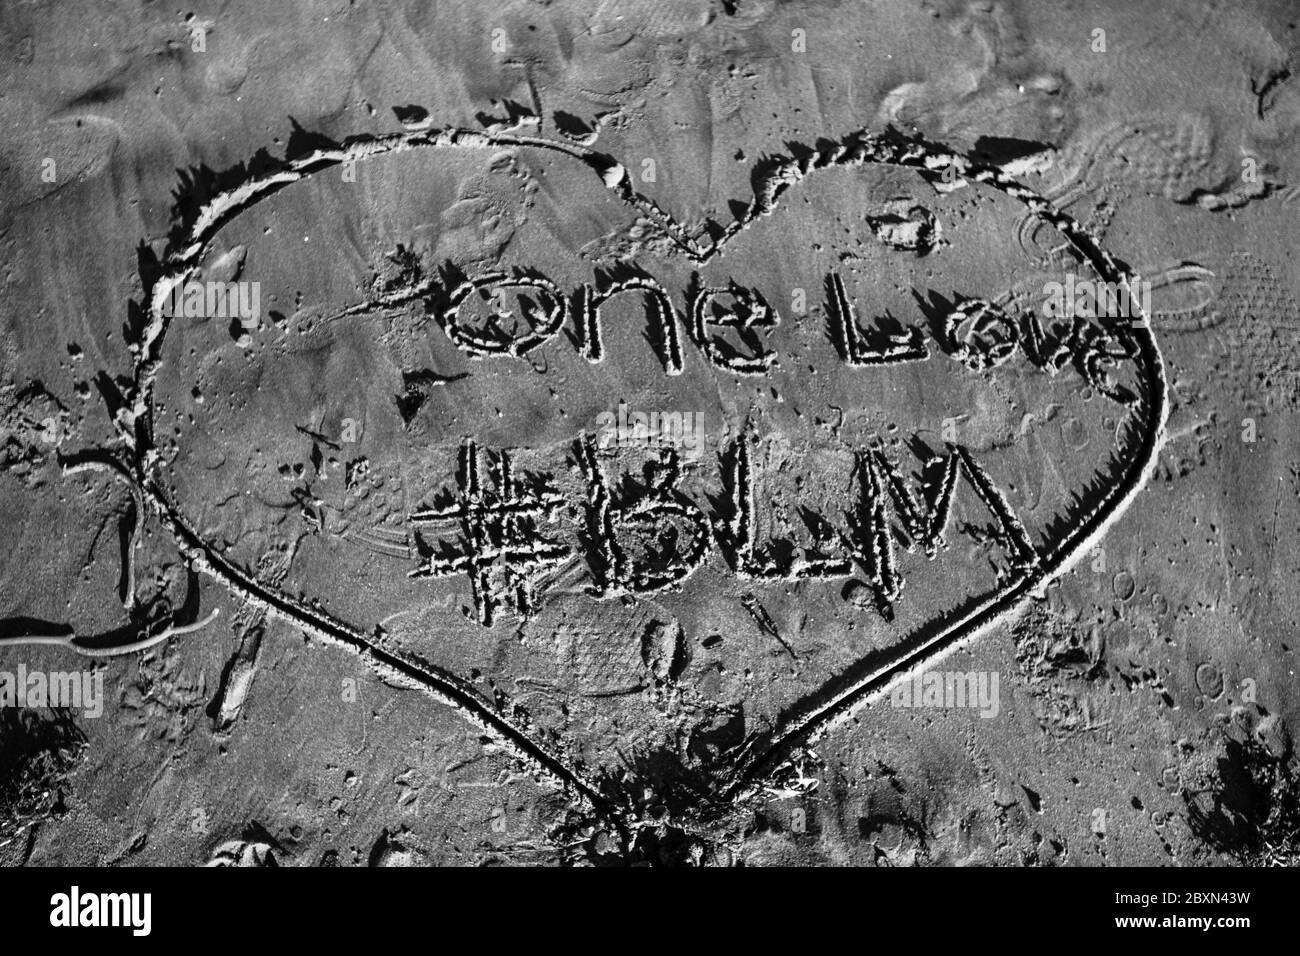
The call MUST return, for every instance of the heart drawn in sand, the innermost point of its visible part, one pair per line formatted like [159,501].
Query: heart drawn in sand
[502,558]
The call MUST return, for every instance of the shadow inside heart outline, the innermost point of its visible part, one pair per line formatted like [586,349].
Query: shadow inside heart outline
[741,772]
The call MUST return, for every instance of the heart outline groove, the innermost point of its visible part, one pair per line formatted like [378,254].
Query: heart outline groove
[744,772]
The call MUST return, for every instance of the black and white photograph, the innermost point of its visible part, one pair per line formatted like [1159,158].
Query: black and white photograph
[651,433]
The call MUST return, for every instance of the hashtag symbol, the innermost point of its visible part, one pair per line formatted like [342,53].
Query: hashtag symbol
[499,548]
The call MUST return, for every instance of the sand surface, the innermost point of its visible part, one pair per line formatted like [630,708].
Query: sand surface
[671,432]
